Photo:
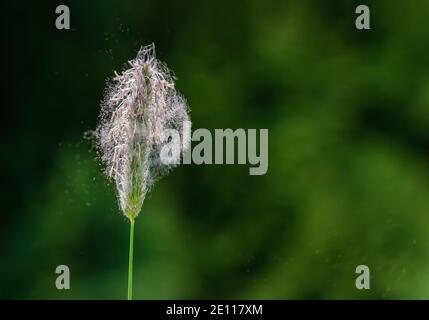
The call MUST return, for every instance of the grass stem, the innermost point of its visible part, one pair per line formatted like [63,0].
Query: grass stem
[130,262]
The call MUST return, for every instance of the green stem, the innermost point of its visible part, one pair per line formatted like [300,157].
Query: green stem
[130,262]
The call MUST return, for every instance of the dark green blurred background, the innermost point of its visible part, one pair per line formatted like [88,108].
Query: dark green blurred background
[348,178]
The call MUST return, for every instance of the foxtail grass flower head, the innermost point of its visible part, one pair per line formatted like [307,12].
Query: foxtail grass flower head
[139,105]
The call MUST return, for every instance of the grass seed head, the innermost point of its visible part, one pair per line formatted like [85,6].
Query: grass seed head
[139,104]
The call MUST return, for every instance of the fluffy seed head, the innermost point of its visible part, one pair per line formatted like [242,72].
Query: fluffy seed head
[139,104]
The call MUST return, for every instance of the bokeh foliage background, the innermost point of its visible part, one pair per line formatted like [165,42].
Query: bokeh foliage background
[348,178]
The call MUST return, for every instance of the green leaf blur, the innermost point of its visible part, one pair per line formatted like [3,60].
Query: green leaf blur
[348,176]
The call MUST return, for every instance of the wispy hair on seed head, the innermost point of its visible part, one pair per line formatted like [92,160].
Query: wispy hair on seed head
[139,104]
